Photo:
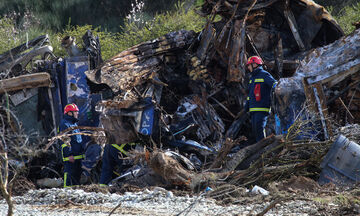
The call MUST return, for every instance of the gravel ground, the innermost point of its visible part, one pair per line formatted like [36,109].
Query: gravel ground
[61,202]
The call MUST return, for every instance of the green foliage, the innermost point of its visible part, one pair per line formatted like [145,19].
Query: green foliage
[347,16]
[13,34]
[111,43]
[7,35]
[133,33]
[107,14]
[108,41]
[162,24]
[337,4]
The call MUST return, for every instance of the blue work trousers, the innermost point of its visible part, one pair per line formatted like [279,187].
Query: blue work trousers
[92,157]
[258,123]
[110,160]
[72,172]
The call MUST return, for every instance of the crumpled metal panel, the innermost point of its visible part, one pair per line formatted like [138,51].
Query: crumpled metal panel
[78,91]
[77,86]
[328,65]
[332,63]
[139,63]
[299,25]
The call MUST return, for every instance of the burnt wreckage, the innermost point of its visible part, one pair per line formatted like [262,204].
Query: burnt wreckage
[187,90]
[197,82]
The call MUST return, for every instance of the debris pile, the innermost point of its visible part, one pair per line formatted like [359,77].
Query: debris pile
[181,96]
[186,92]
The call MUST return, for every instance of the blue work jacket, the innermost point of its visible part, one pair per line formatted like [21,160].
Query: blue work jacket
[260,86]
[76,147]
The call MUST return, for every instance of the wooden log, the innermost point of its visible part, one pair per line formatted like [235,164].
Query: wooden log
[223,152]
[247,151]
[249,160]
[25,81]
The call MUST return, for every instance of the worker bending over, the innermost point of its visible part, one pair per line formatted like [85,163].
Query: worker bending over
[113,156]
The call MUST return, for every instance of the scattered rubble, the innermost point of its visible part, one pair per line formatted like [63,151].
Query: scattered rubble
[180,97]
[159,201]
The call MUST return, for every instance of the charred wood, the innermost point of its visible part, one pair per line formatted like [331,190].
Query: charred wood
[25,81]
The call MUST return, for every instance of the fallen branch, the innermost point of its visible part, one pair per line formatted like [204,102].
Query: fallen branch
[224,151]
[249,150]
[272,205]
[114,209]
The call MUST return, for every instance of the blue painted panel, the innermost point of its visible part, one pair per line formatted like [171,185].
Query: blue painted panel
[147,118]
[78,91]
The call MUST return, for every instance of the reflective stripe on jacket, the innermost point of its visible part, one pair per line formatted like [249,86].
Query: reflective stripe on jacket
[75,147]
[76,157]
[121,148]
[260,86]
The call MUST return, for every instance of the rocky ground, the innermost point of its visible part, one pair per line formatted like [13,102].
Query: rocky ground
[158,201]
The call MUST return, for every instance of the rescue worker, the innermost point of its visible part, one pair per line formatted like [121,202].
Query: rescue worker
[72,153]
[258,101]
[113,156]
[92,156]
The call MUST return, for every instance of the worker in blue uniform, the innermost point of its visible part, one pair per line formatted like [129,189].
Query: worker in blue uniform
[92,156]
[258,102]
[72,152]
[113,156]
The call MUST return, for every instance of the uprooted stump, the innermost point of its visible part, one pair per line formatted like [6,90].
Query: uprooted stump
[173,172]
[169,169]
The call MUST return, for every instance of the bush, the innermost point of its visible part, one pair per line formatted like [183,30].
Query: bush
[8,35]
[109,42]
[162,24]
[347,16]
[134,32]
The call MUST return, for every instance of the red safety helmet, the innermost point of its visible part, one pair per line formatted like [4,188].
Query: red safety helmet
[71,108]
[255,59]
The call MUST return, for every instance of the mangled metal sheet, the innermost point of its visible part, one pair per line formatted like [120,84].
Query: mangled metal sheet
[138,64]
[279,31]
[321,77]
[78,91]
[332,63]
